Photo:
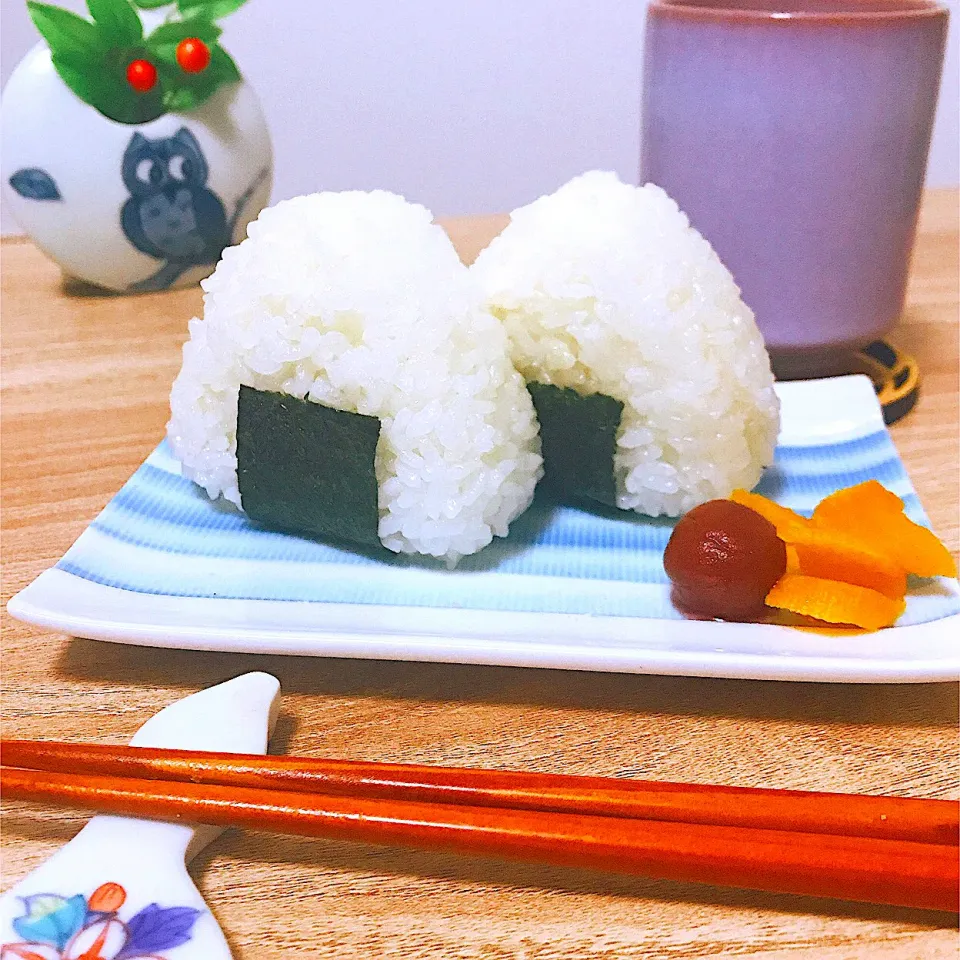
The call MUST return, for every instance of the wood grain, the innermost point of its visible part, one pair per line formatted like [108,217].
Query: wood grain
[84,391]
[917,819]
[864,869]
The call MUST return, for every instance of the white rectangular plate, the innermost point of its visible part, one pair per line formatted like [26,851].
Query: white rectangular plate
[570,589]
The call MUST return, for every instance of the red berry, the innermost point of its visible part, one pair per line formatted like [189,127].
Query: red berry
[193,55]
[141,75]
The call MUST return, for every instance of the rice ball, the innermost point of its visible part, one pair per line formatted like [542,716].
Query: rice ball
[605,288]
[359,302]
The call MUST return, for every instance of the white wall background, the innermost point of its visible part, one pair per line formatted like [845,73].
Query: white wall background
[466,106]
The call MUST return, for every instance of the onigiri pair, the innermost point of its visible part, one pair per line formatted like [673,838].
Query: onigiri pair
[347,324]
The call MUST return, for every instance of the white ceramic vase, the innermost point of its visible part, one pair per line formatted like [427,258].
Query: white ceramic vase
[131,207]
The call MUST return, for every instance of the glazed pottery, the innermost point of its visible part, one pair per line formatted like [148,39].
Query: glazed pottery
[131,207]
[120,889]
[794,134]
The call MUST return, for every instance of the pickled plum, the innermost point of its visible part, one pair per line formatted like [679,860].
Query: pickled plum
[722,559]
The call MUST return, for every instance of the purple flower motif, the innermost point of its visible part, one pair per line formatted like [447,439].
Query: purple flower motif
[158,928]
[57,928]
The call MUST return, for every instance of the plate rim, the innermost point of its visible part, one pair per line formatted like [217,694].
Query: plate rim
[38,604]
[61,601]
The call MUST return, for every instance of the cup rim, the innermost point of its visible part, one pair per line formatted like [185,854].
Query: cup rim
[751,11]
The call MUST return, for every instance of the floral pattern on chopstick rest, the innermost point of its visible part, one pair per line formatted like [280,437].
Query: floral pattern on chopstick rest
[54,927]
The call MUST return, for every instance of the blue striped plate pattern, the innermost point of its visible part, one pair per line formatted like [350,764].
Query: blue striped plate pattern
[162,535]
[568,588]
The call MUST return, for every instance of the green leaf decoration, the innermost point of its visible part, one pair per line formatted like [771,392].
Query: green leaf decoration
[170,34]
[119,23]
[92,57]
[306,467]
[211,9]
[185,99]
[578,435]
[185,92]
[222,66]
[65,32]
[93,88]
[108,92]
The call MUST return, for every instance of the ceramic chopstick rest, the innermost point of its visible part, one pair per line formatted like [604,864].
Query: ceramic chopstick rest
[119,890]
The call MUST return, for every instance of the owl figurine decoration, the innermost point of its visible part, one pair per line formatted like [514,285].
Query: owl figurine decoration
[134,177]
[172,215]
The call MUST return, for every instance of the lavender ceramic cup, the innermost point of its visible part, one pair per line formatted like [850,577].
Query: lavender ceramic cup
[794,133]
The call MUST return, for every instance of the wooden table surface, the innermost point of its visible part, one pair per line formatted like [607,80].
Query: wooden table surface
[85,382]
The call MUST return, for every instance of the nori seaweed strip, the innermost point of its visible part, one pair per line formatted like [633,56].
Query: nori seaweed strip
[306,467]
[579,438]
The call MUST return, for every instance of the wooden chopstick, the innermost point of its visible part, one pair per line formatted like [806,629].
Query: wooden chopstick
[794,811]
[923,875]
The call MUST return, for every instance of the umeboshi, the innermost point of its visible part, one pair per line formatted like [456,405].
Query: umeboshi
[722,559]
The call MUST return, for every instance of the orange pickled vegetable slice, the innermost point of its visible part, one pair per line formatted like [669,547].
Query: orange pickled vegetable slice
[874,515]
[834,601]
[783,518]
[835,556]
[870,497]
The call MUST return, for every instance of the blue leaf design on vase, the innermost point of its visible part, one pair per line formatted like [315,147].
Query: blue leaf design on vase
[158,928]
[35,184]
[50,918]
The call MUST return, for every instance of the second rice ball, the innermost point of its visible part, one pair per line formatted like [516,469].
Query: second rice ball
[605,288]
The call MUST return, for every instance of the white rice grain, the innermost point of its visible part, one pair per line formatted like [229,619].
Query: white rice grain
[606,288]
[359,302]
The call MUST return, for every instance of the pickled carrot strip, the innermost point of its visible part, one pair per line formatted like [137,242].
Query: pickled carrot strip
[783,518]
[834,601]
[874,515]
[835,556]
